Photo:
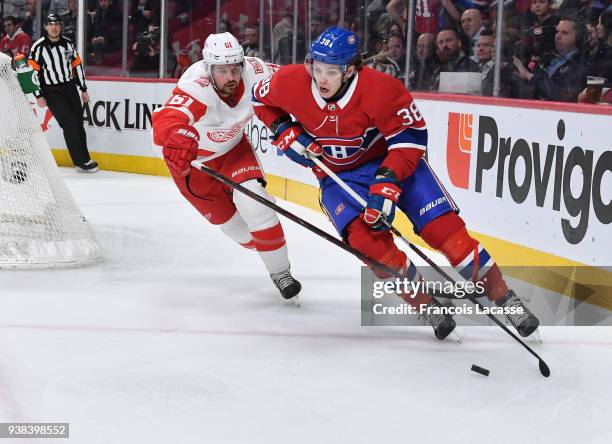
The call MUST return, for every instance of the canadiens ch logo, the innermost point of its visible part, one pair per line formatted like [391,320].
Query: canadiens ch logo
[339,151]
[342,151]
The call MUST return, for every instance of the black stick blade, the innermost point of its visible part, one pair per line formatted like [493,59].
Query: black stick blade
[544,369]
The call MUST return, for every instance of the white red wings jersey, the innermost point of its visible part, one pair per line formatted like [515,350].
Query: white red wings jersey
[376,115]
[219,121]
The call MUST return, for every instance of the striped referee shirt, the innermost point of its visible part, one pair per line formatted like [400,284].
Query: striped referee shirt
[56,63]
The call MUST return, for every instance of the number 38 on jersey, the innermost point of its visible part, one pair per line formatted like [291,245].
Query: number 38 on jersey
[410,115]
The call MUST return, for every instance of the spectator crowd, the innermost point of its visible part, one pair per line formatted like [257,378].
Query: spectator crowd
[549,47]
[104,22]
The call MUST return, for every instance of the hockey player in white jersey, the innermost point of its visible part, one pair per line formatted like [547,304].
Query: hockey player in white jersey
[205,119]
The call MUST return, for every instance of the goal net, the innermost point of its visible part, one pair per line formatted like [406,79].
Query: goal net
[40,224]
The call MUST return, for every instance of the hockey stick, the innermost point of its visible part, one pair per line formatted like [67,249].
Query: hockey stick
[345,246]
[298,220]
[543,366]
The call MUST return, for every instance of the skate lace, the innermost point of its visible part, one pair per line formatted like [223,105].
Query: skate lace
[516,317]
[434,319]
[283,279]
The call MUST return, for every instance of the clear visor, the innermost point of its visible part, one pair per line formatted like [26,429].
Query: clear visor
[235,69]
[319,68]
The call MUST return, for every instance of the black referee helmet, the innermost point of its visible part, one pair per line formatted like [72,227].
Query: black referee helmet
[53,18]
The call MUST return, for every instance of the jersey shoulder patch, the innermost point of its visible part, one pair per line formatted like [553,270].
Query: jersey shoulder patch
[255,70]
[256,64]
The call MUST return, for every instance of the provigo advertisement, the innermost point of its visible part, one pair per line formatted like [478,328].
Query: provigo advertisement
[542,179]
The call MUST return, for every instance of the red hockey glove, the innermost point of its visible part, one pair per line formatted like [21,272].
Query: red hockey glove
[180,149]
[384,194]
[294,142]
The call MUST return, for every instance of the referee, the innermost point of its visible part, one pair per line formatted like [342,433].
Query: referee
[60,71]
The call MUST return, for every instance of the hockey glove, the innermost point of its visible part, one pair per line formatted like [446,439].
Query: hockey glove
[384,194]
[180,149]
[295,143]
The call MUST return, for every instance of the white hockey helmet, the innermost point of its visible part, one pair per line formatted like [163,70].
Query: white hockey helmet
[221,49]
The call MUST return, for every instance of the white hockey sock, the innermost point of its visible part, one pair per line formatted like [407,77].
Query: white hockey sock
[275,261]
[265,228]
[236,229]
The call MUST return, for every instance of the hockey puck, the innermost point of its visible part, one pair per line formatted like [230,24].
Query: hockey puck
[482,371]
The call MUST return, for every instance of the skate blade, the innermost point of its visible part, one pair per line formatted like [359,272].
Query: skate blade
[295,300]
[454,336]
[533,337]
[536,336]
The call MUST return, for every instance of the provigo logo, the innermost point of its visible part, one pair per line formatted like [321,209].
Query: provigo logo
[547,164]
[459,148]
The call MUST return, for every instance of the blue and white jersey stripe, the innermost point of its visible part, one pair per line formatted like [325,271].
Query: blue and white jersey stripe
[408,138]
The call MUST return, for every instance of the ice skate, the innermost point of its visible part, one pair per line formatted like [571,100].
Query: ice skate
[288,286]
[525,322]
[443,324]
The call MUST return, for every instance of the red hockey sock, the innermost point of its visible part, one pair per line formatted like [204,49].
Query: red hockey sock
[382,248]
[250,245]
[474,263]
[494,283]
[269,239]
[379,247]
[416,300]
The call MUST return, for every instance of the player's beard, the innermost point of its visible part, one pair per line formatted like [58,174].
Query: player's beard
[229,88]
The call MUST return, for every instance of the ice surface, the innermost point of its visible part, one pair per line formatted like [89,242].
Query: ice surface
[180,337]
